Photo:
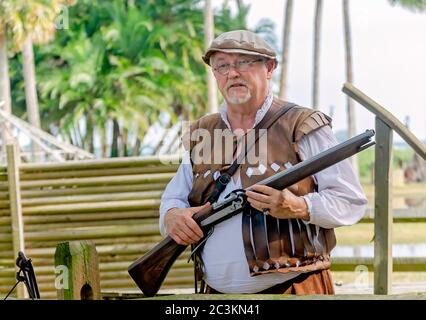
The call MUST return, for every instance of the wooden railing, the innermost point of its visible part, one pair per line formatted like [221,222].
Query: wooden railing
[385,123]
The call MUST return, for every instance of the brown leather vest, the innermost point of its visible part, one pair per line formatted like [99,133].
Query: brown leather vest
[270,244]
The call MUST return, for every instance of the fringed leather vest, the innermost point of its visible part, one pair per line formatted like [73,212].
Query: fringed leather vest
[270,244]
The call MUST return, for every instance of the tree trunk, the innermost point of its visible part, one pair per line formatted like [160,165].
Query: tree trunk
[104,142]
[136,148]
[209,34]
[288,13]
[348,62]
[78,137]
[4,75]
[73,135]
[89,137]
[123,146]
[30,83]
[115,137]
[5,94]
[317,42]
[349,78]
[31,91]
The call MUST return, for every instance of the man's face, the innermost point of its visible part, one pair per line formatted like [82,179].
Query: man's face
[242,86]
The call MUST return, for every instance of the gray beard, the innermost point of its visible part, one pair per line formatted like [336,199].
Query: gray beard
[238,100]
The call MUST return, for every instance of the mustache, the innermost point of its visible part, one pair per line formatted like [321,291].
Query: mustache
[239,82]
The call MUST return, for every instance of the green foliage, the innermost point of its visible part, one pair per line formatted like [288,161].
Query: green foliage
[413,5]
[124,62]
[226,21]
[401,157]
[365,162]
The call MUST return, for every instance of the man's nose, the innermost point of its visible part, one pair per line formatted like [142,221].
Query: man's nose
[233,72]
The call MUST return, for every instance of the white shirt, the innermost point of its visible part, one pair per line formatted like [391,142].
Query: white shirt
[339,201]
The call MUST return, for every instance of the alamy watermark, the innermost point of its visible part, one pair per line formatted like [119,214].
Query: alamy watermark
[62,19]
[362,281]
[62,277]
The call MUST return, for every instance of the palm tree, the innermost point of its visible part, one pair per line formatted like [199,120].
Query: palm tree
[288,12]
[349,78]
[24,21]
[37,22]
[316,56]
[30,83]
[32,20]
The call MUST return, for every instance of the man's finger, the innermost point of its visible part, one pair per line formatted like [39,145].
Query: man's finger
[197,209]
[257,196]
[187,235]
[258,205]
[193,226]
[178,239]
[263,189]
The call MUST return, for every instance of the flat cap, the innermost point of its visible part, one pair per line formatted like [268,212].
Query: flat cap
[240,41]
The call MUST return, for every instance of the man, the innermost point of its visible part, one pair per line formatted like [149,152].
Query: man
[287,248]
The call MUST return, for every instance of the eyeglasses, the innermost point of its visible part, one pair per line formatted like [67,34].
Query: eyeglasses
[240,66]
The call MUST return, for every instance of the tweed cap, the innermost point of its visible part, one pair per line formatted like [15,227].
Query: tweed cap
[240,41]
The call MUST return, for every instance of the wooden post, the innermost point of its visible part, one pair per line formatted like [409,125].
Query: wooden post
[15,207]
[77,271]
[383,209]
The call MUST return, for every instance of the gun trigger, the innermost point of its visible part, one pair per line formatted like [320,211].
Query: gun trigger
[191,256]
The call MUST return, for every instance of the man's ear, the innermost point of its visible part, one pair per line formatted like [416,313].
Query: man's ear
[270,66]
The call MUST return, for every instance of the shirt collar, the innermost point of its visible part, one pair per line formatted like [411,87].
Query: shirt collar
[259,114]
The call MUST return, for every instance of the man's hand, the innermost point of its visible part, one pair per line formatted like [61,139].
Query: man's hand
[181,227]
[281,204]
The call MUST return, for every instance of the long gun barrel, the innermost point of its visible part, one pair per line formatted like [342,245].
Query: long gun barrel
[150,270]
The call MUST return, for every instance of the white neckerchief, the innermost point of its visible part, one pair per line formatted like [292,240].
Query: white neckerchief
[259,114]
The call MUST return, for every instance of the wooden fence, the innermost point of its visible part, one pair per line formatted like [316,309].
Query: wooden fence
[113,202]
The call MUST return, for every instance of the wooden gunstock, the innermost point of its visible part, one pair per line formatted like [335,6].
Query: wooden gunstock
[150,270]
